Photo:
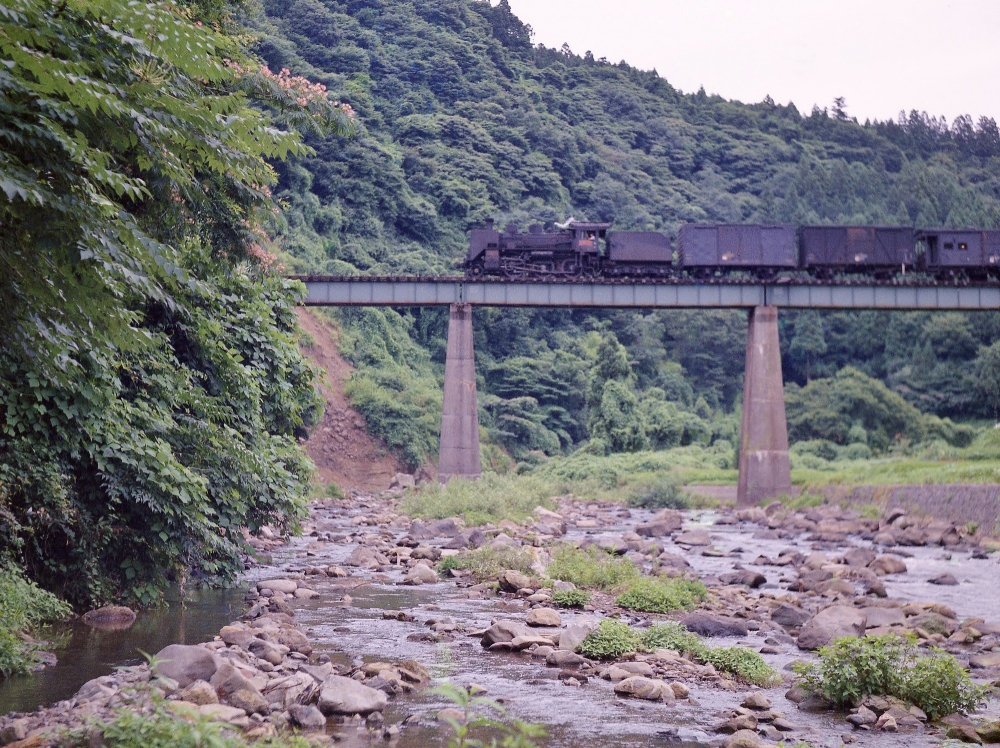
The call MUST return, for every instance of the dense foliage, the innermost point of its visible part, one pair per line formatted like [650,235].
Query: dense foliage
[462,118]
[23,607]
[852,668]
[151,390]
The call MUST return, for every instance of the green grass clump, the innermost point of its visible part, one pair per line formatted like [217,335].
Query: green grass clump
[492,498]
[591,567]
[663,494]
[610,640]
[851,668]
[486,563]
[742,663]
[570,598]
[164,729]
[23,607]
[671,635]
[661,595]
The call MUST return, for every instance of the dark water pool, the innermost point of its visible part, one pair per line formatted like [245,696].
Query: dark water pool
[89,653]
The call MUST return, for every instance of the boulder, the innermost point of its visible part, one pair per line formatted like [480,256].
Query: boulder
[834,622]
[233,688]
[110,617]
[285,586]
[504,632]
[645,688]
[756,701]
[563,658]
[185,663]
[877,617]
[200,692]
[307,717]
[985,661]
[945,579]
[743,739]
[222,713]
[789,615]
[402,480]
[574,634]
[709,625]
[512,581]
[236,636]
[693,537]
[267,651]
[340,695]
[295,640]
[366,558]
[663,523]
[421,574]
[543,617]
[420,531]
[859,557]
[888,565]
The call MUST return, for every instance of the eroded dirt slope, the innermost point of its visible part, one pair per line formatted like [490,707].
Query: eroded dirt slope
[341,446]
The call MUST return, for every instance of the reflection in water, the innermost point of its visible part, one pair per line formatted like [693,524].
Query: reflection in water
[86,652]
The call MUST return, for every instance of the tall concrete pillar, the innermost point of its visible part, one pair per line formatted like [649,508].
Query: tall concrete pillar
[764,468]
[460,412]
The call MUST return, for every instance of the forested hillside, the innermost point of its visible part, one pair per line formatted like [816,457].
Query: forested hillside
[463,118]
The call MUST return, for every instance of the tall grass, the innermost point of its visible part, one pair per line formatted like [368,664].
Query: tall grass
[492,498]
[591,567]
[23,607]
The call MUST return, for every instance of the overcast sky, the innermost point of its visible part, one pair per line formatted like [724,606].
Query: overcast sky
[942,56]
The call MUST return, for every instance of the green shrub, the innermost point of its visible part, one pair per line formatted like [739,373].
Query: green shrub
[939,686]
[664,494]
[671,635]
[610,640]
[743,663]
[661,595]
[491,498]
[486,563]
[23,607]
[591,567]
[164,729]
[850,669]
[570,598]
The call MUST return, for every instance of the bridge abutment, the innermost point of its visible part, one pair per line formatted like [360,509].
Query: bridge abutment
[765,471]
[459,455]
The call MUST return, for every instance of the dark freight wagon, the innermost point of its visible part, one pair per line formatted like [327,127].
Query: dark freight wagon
[857,247]
[648,253]
[710,246]
[965,249]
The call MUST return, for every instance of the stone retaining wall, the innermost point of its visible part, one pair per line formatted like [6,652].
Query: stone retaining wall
[956,503]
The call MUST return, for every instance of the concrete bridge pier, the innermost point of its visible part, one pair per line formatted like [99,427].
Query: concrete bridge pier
[764,467]
[459,454]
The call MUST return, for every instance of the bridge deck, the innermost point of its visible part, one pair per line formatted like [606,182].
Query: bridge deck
[411,291]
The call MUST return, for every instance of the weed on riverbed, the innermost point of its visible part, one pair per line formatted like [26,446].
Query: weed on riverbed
[570,598]
[614,639]
[661,595]
[486,563]
[890,665]
[23,607]
[492,498]
[591,567]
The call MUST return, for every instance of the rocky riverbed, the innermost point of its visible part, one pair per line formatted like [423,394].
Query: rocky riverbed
[347,626]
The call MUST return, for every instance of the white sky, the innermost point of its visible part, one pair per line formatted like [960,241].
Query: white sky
[942,56]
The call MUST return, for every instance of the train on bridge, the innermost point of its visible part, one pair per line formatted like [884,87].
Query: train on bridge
[708,250]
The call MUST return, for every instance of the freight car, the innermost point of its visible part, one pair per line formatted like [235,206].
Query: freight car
[580,249]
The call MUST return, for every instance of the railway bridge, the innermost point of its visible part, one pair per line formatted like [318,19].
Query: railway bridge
[764,469]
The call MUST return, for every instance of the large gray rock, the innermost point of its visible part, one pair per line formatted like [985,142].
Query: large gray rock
[185,663]
[421,574]
[708,625]
[110,617]
[662,524]
[876,617]
[645,688]
[307,717]
[834,622]
[888,565]
[286,586]
[543,617]
[512,581]
[575,633]
[505,632]
[234,689]
[366,558]
[340,695]
[789,615]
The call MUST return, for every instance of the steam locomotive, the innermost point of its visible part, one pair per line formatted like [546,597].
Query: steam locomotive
[764,251]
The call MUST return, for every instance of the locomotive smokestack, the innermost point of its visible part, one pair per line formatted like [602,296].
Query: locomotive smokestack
[489,223]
